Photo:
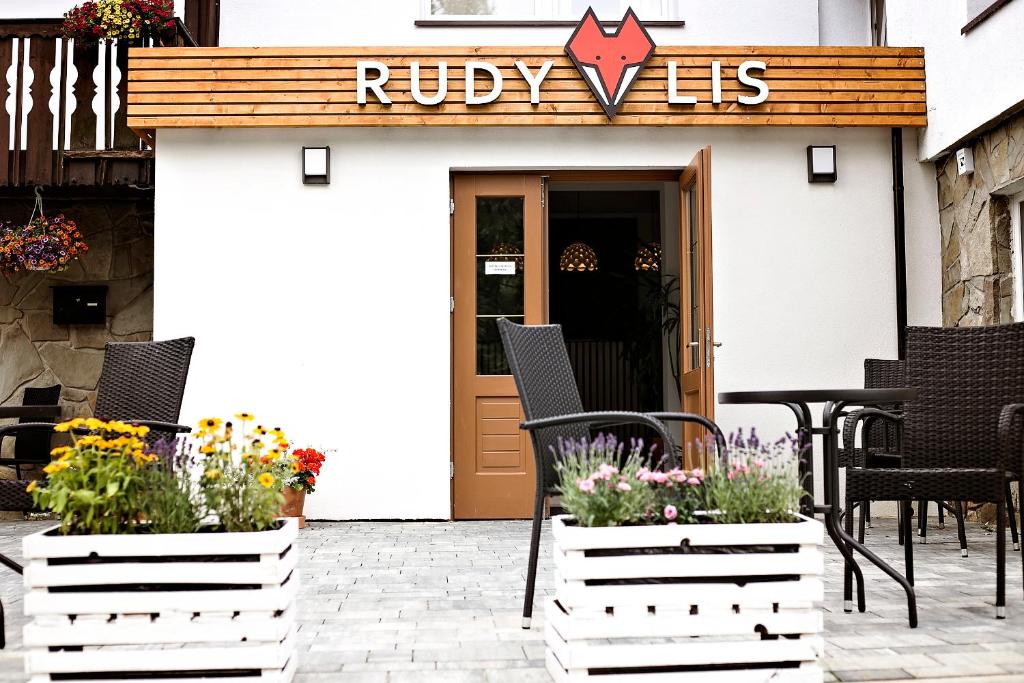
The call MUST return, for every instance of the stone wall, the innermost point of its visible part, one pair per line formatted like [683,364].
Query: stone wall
[34,351]
[977,280]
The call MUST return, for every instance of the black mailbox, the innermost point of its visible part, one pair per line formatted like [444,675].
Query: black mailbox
[80,305]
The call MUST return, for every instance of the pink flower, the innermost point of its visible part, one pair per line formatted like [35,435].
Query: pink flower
[585,485]
[730,476]
[670,512]
[659,477]
[605,472]
[623,486]
[643,474]
[698,473]
[693,481]
[760,464]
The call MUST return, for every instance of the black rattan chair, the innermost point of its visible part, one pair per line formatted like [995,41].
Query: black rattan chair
[880,447]
[551,403]
[141,383]
[32,447]
[962,436]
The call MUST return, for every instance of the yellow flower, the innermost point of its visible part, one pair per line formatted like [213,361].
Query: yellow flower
[60,450]
[31,487]
[266,480]
[141,430]
[260,431]
[213,475]
[54,467]
[62,427]
[277,433]
[244,417]
[93,423]
[296,467]
[210,423]
[256,443]
[206,450]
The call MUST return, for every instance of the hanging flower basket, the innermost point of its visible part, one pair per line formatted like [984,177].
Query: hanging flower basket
[44,244]
[121,19]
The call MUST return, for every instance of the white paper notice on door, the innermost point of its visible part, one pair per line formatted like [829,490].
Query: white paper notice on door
[499,268]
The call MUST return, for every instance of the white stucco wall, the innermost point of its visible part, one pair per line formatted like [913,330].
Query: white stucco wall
[325,309]
[970,78]
[844,22]
[390,22]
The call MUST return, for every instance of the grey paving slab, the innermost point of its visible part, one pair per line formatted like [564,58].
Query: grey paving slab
[390,602]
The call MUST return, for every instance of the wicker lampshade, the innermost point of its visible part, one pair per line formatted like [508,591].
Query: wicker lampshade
[577,258]
[648,258]
[503,251]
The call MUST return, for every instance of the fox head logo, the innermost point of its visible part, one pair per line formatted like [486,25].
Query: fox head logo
[610,62]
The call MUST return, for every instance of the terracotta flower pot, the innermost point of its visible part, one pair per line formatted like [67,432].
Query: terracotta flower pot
[294,500]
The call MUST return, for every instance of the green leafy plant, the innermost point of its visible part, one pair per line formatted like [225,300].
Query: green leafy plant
[171,504]
[97,484]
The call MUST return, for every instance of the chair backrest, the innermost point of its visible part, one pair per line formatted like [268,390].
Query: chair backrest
[964,376]
[547,387]
[883,374]
[34,444]
[143,380]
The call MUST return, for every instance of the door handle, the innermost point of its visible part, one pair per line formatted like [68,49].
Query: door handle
[692,344]
[716,344]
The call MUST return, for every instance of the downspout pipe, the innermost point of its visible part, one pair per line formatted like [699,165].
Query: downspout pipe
[900,241]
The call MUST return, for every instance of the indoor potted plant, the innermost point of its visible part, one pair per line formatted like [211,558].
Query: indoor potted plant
[684,571]
[168,561]
[300,479]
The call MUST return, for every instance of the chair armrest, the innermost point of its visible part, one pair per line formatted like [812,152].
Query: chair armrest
[858,416]
[707,424]
[1011,437]
[44,411]
[603,417]
[12,430]
[160,426]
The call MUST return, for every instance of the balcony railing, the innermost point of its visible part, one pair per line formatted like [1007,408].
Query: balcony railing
[64,118]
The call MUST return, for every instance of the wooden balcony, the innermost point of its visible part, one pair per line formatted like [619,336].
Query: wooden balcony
[64,118]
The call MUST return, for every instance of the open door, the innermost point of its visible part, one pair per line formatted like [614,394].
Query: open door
[698,341]
[497,271]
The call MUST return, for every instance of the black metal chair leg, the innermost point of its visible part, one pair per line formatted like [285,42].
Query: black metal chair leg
[3,628]
[961,530]
[922,521]
[864,508]
[899,523]
[1012,514]
[531,570]
[942,513]
[908,548]
[1000,560]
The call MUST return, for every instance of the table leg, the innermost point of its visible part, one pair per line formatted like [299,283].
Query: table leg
[881,564]
[805,439]
[11,564]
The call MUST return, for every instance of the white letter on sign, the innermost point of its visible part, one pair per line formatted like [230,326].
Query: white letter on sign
[442,84]
[673,94]
[534,81]
[362,85]
[716,82]
[471,96]
[745,79]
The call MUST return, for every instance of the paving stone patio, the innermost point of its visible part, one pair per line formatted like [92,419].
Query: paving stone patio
[390,602]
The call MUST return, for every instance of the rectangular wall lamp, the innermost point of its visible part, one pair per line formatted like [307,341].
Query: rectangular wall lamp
[316,165]
[821,164]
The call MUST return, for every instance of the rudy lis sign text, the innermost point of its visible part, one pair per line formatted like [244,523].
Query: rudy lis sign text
[610,63]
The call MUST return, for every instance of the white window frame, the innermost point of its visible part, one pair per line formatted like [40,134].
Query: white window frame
[1016,255]
[550,10]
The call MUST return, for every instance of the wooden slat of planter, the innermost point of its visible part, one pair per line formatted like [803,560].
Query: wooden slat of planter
[259,656]
[809,561]
[124,631]
[45,545]
[38,574]
[585,655]
[576,594]
[803,674]
[39,602]
[672,625]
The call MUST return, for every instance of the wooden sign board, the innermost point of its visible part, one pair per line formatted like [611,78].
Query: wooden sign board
[538,86]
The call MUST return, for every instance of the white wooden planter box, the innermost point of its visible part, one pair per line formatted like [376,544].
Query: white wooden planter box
[178,607]
[688,602]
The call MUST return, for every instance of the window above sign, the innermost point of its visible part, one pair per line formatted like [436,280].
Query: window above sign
[539,12]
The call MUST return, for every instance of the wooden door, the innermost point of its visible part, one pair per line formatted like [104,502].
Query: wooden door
[697,338]
[498,266]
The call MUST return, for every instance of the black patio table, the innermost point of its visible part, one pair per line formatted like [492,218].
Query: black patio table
[836,401]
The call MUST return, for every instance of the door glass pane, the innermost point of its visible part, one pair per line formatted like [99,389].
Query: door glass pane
[499,277]
[693,246]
